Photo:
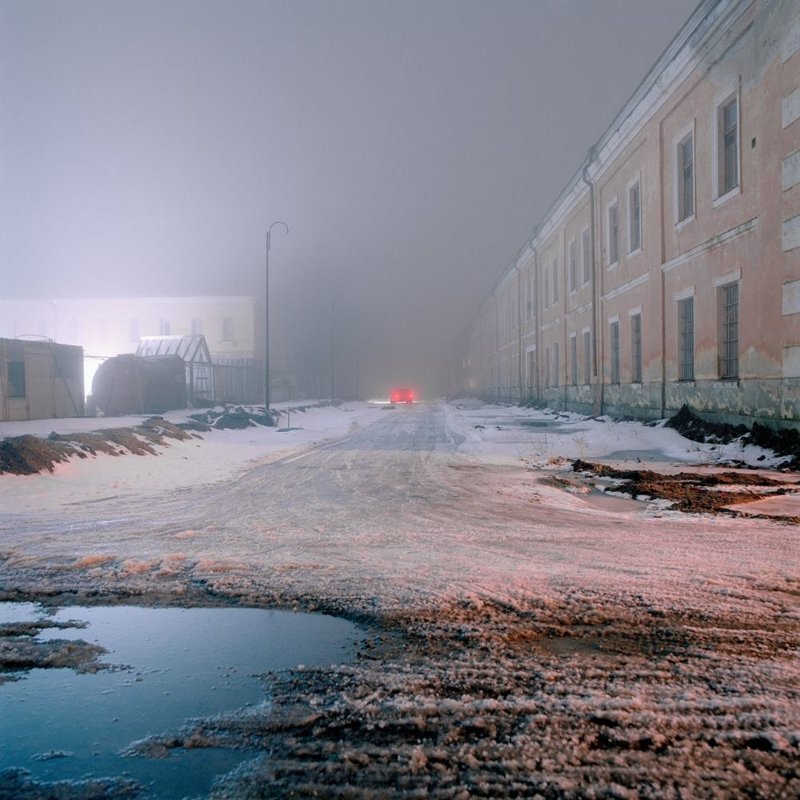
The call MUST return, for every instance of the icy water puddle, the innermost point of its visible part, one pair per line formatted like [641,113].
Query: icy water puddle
[179,664]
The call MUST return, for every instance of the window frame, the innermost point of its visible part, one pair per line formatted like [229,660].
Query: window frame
[637,366]
[587,356]
[613,252]
[546,282]
[614,351]
[556,366]
[721,191]
[685,339]
[683,216]
[15,378]
[586,257]
[728,299]
[635,246]
[572,261]
[555,281]
[573,350]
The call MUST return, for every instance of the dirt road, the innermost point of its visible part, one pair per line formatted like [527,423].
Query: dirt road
[534,638]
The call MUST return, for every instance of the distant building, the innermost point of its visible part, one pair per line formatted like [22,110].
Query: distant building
[668,271]
[110,326]
[106,327]
[40,380]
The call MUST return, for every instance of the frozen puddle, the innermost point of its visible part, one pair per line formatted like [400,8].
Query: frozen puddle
[178,664]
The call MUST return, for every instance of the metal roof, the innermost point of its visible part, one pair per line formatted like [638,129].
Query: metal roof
[192,349]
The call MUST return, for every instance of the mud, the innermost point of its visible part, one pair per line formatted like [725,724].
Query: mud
[493,702]
[17,784]
[20,651]
[783,442]
[693,492]
[27,455]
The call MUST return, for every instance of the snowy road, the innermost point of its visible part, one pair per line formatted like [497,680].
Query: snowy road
[554,639]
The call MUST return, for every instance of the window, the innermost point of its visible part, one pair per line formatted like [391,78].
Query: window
[586,255]
[197,326]
[686,339]
[728,309]
[573,354]
[728,146]
[529,296]
[613,235]
[686,177]
[573,266]
[16,378]
[227,329]
[555,280]
[556,365]
[164,327]
[634,218]
[547,366]
[615,351]
[587,358]
[531,371]
[636,348]
[546,287]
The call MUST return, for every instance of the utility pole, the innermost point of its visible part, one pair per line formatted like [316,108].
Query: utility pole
[266,318]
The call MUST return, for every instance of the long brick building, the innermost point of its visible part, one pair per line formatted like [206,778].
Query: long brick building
[668,270]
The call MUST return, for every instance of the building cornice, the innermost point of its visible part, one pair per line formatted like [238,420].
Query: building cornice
[711,244]
[626,287]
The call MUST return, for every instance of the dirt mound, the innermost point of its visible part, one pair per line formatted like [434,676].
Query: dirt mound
[784,442]
[28,455]
[233,418]
[693,492]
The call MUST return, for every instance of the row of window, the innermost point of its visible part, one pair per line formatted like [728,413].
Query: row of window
[728,345]
[726,159]
[197,328]
[726,177]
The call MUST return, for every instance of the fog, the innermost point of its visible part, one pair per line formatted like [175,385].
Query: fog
[410,146]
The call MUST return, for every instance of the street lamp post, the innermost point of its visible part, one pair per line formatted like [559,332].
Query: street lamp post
[266,318]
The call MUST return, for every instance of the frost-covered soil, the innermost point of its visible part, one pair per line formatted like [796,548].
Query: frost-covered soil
[529,633]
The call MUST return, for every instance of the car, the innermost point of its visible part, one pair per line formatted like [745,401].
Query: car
[401,394]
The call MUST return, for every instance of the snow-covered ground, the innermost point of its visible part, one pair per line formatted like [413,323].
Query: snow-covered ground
[536,636]
[209,457]
[493,433]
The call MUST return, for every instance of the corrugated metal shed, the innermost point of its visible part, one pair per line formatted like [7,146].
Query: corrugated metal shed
[40,379]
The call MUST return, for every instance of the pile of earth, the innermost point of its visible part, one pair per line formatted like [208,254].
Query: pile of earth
[232,418]
[27,454]
[693,492]
[20,649]
[238,417]
[783,442]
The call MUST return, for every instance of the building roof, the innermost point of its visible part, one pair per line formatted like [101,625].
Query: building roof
[192,349]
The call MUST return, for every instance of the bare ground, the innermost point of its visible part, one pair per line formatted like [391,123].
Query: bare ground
[575,689]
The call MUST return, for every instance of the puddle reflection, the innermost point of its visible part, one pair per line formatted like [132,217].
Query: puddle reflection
[169,665]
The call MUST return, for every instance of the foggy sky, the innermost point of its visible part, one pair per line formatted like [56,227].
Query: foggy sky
[410,146]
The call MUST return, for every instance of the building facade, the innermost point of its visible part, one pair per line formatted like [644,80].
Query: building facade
[107,327]
[668,271]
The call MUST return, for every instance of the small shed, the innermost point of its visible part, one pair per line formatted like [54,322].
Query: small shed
[197,359]
[40,379]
